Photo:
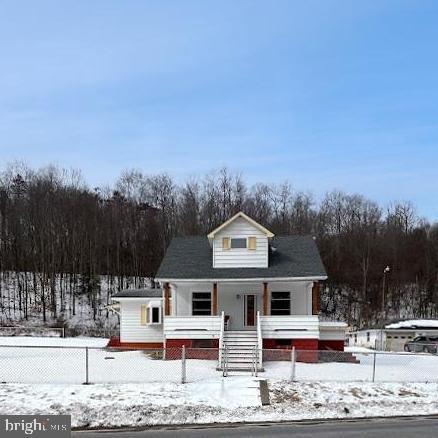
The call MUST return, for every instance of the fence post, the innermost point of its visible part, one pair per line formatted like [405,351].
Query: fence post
[183,364]
[374,367]
[87,381]
[292,364]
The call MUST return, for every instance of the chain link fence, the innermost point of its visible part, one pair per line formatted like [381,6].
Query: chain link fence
[341,366]
[76,365]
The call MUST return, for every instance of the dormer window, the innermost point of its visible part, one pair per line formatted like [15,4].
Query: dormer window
[237,243]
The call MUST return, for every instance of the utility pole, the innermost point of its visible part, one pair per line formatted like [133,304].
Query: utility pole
[385,272]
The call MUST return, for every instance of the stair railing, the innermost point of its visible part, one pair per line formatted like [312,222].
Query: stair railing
[221,339]
[225,361]
[254,361]
[259,340]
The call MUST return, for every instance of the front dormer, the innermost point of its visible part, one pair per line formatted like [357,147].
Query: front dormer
[240,242]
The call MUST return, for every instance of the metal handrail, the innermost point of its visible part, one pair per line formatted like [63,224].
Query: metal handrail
[225,362]
[254,361]
[221,338]
[259,338]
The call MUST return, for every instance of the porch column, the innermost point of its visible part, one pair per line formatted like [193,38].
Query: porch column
[214,300]
[265,298]
[315,298]
[166,299]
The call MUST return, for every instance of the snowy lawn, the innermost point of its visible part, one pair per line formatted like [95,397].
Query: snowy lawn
[42,341]
[231,399]
[137,388]
[34,364]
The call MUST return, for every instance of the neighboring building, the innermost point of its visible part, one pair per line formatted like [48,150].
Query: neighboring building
[369,338]
[238,286]
[394,336]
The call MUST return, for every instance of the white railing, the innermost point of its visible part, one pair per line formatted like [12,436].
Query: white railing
[193,327]
[332,330]
[259,340]
[290,327]
[221,339]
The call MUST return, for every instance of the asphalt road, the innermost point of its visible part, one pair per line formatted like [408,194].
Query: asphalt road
[424,427]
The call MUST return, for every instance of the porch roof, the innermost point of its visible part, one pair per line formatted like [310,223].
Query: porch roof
[139,293]
[191,258]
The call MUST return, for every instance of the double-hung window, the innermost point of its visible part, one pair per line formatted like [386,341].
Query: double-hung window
[201,303]
[280,303]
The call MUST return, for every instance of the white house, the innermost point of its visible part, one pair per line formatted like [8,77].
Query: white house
[240,289]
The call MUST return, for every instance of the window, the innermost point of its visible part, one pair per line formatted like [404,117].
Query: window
[154,315]
[150,313]
[252,243]
[237,243]
[368,336]
[201,303]
[280,303]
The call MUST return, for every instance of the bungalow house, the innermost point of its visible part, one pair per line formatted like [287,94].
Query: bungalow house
[239,289]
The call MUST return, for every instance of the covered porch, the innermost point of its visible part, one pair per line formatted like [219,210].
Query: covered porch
[283,309]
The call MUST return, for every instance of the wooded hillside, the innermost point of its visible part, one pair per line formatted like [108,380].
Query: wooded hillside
[52,224]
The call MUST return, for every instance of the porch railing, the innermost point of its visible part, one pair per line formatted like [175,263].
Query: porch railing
[195,327]
[290,327]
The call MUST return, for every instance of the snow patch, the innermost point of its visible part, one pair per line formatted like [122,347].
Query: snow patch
[231,399]
[414,323]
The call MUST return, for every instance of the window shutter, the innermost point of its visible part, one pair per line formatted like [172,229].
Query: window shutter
[252,243]
[225,243]
[143,314]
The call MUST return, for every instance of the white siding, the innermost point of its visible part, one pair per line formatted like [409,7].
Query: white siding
[290,327]
[130,328]
[241,258]
[333,331]
[194,327]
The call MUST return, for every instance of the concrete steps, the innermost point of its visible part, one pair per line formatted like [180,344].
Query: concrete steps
[240,347]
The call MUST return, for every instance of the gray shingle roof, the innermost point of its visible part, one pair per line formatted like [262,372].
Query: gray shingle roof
[191,258]
[139,293]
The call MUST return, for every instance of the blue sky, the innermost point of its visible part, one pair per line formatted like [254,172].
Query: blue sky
[326,94]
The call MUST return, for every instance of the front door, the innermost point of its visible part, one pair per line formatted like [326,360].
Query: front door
[250,309]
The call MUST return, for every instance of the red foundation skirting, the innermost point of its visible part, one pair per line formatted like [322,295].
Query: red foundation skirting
[331,345]
[115,343]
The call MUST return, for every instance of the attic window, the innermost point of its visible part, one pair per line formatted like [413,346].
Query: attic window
[238,243]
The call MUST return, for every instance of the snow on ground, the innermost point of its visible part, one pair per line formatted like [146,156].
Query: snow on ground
[133,388]
[44,341]
[230,399]
[414,323]
[358,350]
[32,364]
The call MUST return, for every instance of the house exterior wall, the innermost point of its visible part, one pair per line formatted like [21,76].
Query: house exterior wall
[131,330]
[241,258]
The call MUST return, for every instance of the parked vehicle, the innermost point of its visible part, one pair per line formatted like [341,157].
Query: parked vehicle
[423,344]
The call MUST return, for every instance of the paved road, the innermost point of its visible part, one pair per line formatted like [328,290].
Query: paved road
[426,427]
